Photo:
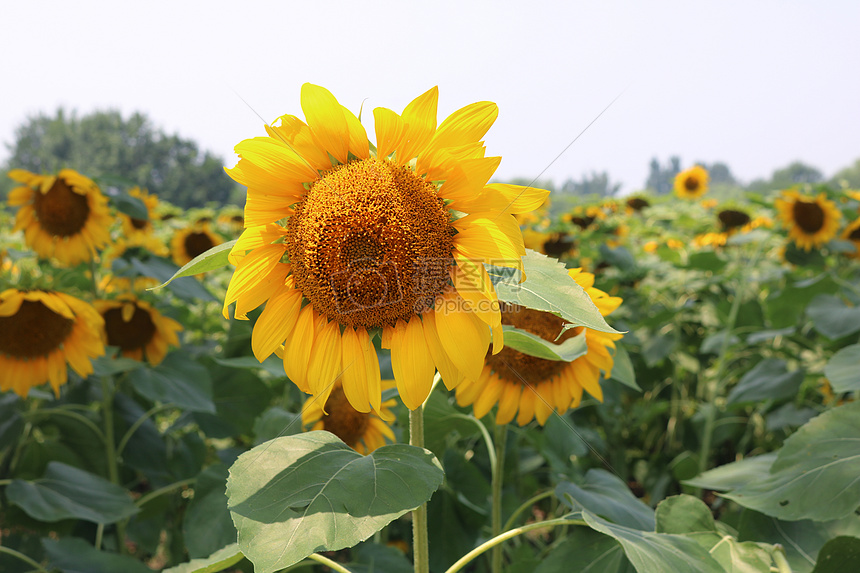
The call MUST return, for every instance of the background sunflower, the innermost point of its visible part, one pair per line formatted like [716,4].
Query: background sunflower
[811,222]
[692,183]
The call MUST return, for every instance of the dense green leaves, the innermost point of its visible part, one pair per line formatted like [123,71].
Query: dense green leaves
[832,317]
[177,380]
[217,561]
[67,492]
[838,555]
[284,511]
[74,555]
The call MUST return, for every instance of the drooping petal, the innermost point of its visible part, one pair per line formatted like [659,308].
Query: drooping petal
[275,323]
[297,349]
[464,336]
[413,367]
[324,368]
[451,377]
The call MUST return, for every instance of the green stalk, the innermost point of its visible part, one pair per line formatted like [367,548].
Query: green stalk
[526,505]
[715,388]
[161,491]
[420,545]
[779,559]
[24,558]
[501,436]
[333,565]
[468,557]
[110,452]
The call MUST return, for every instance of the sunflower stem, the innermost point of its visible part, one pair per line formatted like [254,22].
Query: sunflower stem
[715,388]
[94,273]
[468,557]
[24,558]
[110,451]
[420,545]
[333,565]
[500,439]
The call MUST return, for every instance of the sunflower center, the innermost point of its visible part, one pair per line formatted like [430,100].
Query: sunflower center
[139,223]
[637,203]
[61,211]
[370,244]
[35,330]
[513,365]
[343,420]
[582,222]
[197,244]
[131,335]
[854,235]
[732,219]
[691,183]
[809,216]
[558,244]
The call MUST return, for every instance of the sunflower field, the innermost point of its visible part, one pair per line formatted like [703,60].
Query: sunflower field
[384,361]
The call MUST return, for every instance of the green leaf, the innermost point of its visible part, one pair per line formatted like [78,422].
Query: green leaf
[605,494]
[134,207]
[74,555]
[549,288]
[67,492]
[534,345]
[815,475]
[843,369]
[706,261]
[832,317]
[594,552]
[273,365]
[735,474]
[802,539]
[623,371]
[296,495]
[214,258]
[689,516]
[441,418]
[239,396]
[838,556]
[768,380]
[783,308]
[276,422]
[11,422]
[207,525]
[187,288]
[375,558]
[763,335]
[178,380]
[216,562]
[649,551]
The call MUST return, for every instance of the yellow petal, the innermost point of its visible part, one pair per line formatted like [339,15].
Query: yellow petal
[389,130]
[464,336]
[275,323]
[450,375]
[297,349]
[465,125]
[324,368]
[295,133]
[505,198]
[355,384]
[358,144]
[509,401]
[488,397]
[327,121]
[419,119]
[256,264]
[413,367]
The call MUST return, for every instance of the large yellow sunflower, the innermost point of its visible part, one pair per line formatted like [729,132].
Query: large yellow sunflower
[528,387]
[192,241]
[811,221]
[852,233]
[40,331]
[692,183]
[362,431]
[64,216]
[137,329]
[344,241]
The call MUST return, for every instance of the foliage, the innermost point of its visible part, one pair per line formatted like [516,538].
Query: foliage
[131,149]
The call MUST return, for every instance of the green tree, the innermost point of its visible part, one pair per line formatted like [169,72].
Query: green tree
[848,177]
[661,180]
[795,173]
[594,184]
[104,143]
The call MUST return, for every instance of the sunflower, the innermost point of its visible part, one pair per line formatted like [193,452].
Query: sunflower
[141,232]
[63,216]
[811,221]
[137,329]
[346,242]
[691,183]
[40,331]
[364,432]
[192,241]
[528,387]
[732,219]
[852,233]
[637,204]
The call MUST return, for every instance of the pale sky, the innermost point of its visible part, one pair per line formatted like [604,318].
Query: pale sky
[754,84]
